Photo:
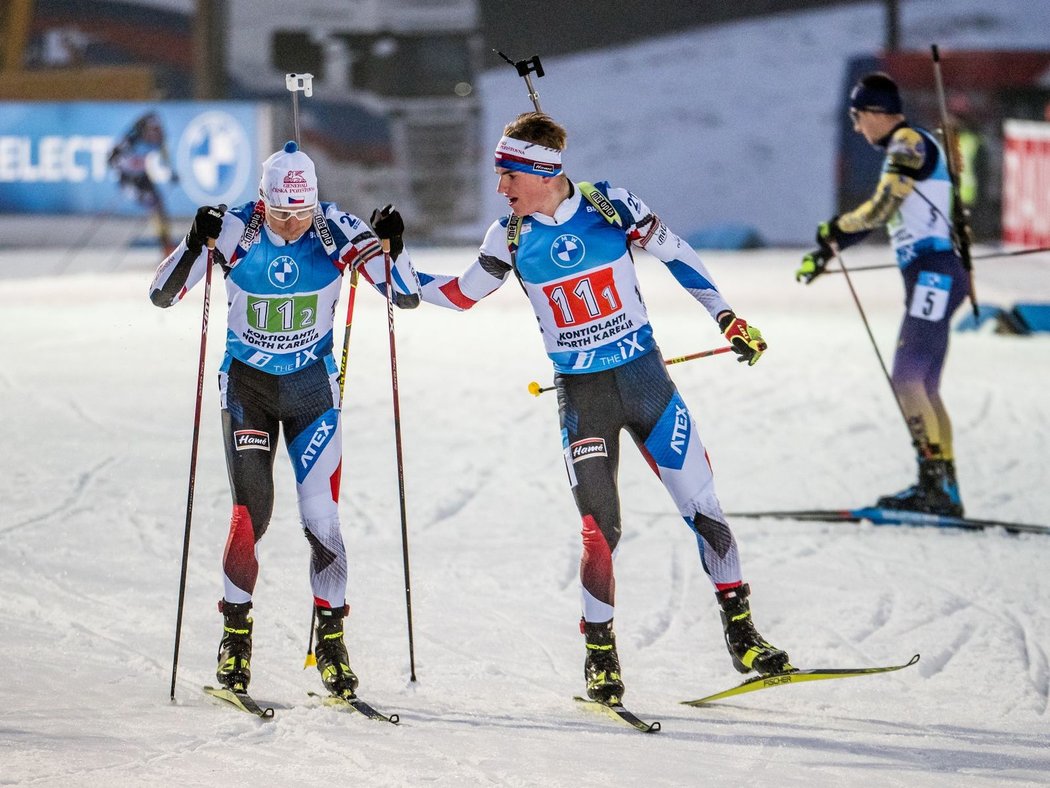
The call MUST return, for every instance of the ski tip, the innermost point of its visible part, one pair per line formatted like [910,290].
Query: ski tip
[912,661]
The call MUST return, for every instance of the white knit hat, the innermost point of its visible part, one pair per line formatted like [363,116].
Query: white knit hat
[288,179]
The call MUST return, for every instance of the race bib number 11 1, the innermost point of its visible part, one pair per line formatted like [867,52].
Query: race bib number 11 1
[583,298]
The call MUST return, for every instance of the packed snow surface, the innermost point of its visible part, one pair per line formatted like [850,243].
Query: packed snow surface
[98,395]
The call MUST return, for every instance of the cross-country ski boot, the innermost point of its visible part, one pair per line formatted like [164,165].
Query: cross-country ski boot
[749,650]
[937,491]
[332,659]
[235,649]
[601,669]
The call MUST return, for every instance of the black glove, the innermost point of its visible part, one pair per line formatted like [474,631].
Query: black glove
[830,237]
[206,224]
[813,265]
[389,226]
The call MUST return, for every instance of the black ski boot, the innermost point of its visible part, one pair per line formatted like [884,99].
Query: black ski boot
[936,493]
[235,649]
[601,669]
[332,659]
[749,650]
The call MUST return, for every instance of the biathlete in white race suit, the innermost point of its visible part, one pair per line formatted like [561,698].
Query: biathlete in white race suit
[282,258]
[569,245]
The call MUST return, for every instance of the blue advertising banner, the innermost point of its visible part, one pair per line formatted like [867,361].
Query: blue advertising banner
[115,157]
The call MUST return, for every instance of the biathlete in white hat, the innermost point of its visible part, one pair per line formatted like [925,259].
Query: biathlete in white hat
[282,258]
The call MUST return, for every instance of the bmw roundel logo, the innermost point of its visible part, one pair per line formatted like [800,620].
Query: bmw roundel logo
[214,148]
[283,272]
[567,250]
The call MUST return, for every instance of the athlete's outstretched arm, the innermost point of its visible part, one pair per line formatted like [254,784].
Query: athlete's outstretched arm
[483,277]
[360,249]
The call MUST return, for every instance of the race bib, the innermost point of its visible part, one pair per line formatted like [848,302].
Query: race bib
[930,299]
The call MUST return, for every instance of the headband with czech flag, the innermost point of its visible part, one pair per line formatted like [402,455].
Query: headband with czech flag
[530,157]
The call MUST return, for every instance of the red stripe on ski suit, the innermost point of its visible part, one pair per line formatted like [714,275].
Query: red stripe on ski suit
[238,560]
[455,295]
[596,569]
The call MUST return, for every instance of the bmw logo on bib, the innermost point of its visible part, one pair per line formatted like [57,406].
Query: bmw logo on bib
[283,272]
[567,250]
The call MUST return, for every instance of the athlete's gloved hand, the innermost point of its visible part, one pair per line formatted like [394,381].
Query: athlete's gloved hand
[389,226]
[746,340]
[813,265]
[206,224]
[830,237]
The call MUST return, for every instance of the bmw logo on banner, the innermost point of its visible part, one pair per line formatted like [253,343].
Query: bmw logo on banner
[215,151]
[62,157]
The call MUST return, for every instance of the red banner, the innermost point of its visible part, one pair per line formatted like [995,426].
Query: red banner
[1026,183]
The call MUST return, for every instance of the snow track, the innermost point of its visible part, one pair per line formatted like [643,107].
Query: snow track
[91,522]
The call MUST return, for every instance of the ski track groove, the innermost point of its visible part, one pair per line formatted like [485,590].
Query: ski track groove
[1035,661]
[659,623]
[146,533]
[931,666]
[513,624]
[83,480]
[880,617]
[458,499]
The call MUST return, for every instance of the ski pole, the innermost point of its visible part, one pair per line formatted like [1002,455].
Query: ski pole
[960,224]
[193,460]
[400,460]
[989,256]
[919,444]
[535,389]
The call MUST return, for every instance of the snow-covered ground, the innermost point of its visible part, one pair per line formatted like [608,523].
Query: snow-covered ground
[97,395]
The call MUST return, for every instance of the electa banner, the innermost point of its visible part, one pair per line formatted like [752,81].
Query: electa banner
[1026,183]
[98,157]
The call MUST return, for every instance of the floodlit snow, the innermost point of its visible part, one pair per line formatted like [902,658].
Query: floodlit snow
[98,393]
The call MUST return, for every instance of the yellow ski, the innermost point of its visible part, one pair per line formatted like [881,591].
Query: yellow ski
[796,677]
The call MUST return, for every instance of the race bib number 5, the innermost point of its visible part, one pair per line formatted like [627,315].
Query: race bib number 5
[583,298]
[930,299]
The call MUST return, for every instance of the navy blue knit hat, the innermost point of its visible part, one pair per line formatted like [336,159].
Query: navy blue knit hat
[876,93]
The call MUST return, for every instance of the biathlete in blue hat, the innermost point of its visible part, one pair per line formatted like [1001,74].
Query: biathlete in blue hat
[912,199]
[569,244]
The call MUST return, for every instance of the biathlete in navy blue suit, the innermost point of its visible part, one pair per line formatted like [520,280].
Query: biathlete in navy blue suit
[569,245]
[283,258]
[912,199]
